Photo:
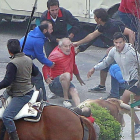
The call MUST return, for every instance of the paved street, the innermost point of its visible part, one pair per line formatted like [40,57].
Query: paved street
[84,60]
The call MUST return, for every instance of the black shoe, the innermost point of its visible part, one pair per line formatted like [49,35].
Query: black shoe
[99,88]
[2,133]
[13,136]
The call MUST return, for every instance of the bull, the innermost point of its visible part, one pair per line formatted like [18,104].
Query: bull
[116,107]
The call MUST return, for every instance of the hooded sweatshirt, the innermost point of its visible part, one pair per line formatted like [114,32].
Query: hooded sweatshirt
[126,60]
[34,46]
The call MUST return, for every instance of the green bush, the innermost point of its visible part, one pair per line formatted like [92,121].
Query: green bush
[110,129]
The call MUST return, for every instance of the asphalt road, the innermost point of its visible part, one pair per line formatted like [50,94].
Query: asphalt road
[84,60]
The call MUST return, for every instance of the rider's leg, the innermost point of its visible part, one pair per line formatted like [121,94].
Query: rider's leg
[2,133]
[11,111]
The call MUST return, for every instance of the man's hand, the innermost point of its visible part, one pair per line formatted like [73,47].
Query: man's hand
[81,81]
[71,35]
[52,65]
[77,51]
[90,72]
[48,80]
[107,51]
[75,44]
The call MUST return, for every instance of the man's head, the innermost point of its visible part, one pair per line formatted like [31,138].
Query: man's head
[100,15]
[46,27]
[78,110]
[86,111]
[119,41]
[13,46]
[53,8]
[65,45]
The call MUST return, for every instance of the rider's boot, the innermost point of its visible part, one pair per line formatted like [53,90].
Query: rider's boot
[2,133]
[13,136]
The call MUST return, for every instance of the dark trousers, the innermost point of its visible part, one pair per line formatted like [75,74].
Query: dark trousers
[117,88]
[37,81]
[49,46]
[13,109]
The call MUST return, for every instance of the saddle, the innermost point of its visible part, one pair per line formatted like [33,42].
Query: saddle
[30,111]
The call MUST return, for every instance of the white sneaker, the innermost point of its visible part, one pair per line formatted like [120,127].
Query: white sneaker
[52,95]
[67,104]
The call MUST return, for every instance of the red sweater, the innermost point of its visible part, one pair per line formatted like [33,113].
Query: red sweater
[91,119]
[130,6]
[63,63]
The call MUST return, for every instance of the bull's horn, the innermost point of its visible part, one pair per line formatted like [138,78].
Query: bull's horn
[126,106]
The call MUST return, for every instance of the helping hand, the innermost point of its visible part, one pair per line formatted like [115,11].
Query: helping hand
[90,72]
[48,80]
[81,81]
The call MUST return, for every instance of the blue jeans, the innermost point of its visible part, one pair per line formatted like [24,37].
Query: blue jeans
[13,109]
[129,20]
[38,82]
[116,88]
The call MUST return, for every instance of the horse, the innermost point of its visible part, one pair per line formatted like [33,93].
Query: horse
[56,123]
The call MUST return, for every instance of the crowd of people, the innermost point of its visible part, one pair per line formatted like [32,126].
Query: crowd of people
[59,63]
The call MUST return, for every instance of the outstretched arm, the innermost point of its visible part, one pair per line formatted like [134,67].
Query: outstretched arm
[130,34]
[88,38]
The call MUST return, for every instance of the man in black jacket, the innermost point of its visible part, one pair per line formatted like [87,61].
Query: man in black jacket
[60,18]
[105,31]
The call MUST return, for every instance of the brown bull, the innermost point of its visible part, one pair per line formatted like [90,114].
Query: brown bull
[116,107]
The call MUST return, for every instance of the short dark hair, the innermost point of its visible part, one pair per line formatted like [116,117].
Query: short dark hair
[118,35]
[44,25]
[77,110]
[86,111]
[52,3]
[13,46]
[102,14]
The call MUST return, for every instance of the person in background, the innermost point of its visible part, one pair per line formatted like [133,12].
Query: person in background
[60,18]
[60,76]
[105,31]
[34,49]
[129,13]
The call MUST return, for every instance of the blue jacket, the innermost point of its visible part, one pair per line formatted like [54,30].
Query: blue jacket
[34,46]
[116,73]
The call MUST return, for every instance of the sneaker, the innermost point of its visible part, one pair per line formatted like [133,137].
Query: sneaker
[52,96]
[99,89]
[137,129]
[67,103]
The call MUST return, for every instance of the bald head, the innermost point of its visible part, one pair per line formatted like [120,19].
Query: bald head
[65,45]
[86,111]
